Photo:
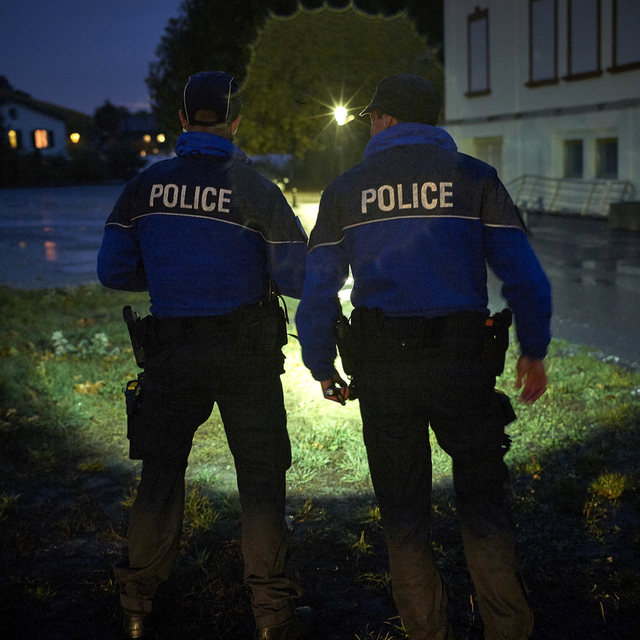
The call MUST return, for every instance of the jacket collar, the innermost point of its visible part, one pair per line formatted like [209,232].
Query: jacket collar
[201,143]
[405,133]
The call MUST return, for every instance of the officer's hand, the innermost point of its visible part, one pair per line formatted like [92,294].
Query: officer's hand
[532,373]
[335,389]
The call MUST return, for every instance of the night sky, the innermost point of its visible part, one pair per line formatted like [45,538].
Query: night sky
[79,53]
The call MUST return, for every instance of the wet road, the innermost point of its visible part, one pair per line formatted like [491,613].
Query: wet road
[50,238]
[595,275]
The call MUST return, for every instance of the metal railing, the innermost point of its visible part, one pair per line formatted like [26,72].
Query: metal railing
[568,195]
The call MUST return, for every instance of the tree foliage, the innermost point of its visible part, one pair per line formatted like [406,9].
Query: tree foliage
[210,34]
[304,65]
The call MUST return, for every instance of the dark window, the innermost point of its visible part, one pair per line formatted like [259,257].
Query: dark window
[13,113]
[573,158]
[607,158]
[52,142]
[583,56]
[626,40]
[478,53]
[543,42]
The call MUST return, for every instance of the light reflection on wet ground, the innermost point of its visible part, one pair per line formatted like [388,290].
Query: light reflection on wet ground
[51,237]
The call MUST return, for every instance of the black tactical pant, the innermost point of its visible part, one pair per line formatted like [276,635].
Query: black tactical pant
[403,389]
[187,371]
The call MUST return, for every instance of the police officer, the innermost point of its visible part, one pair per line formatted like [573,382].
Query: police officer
[417,222]
[208,236]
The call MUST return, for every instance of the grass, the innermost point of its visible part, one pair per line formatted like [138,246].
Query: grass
[67,487]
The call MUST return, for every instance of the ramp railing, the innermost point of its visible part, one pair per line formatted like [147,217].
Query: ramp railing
[568,195]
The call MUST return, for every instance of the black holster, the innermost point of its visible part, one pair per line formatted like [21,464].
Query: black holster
[496,340]
[133,394]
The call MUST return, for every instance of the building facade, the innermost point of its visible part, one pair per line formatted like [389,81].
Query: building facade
[548,92]
[30,129]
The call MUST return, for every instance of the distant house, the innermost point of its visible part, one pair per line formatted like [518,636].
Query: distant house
[548,92]
[29,128]
[31,125]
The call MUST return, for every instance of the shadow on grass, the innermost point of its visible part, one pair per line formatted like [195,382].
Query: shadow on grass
[66,482]
[63,524]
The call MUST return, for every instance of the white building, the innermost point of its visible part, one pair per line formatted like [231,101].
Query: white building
[548,92]
[29,128]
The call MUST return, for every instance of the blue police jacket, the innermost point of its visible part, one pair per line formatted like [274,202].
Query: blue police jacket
[417,222]
[203,232]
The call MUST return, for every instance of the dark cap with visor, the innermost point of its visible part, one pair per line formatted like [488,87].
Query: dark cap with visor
[212,91]
[407,97]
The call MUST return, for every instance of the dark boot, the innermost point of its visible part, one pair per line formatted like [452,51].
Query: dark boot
[289,631]
[136,625]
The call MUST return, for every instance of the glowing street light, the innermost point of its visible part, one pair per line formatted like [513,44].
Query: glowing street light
[160,138]
[340,114]
[75,138]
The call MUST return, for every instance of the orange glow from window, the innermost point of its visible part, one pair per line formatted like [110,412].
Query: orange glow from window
[147,138]
[41,138]
[50,251]
[13,139]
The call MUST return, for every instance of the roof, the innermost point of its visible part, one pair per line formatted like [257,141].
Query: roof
[75,120]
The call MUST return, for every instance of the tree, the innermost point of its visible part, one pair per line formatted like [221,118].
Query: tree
[108,119]
[121,156]
[208,35]
[212,35]
[304,65]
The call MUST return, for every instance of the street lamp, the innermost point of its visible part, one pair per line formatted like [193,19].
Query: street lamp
[341,116]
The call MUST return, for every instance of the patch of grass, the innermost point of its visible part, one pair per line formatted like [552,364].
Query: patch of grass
[43,592]
[67,486]
[7,504]
[610,486]
[198,511]
[359,543]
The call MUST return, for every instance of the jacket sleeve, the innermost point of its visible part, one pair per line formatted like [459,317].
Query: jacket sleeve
[319,309]
[286,248]
[120,264]
[509,254]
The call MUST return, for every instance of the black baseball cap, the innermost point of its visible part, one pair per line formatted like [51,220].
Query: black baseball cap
[214,91]
[407,97]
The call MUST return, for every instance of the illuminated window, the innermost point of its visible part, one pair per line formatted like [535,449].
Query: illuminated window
[543,42]
[41,139]
[15,139]
[573,158]
[478,53]
[626,44]
[75,138]
[607,158]
[583,40]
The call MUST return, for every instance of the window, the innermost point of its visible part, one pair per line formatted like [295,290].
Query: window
[478,53]
[573,158]
[626,43]
[489,150]
[583,57]
[15,139]
[543,42]
[42,139]
[607,158]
